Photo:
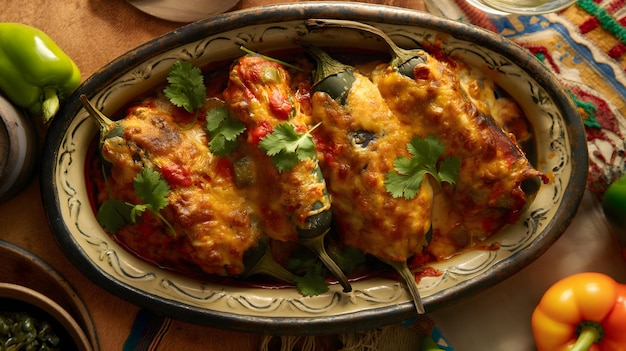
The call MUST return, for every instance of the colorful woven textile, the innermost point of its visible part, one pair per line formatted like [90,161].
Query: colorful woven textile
[585,45]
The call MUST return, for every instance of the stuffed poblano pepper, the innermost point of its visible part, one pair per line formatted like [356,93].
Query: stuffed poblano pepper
[296,205]
[496,181]
[34,72]
[360,141]
[170,200]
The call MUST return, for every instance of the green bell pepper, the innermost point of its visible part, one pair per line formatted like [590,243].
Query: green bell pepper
[614,204]
[35,73]
[614,200]
[435,342]
[428,344]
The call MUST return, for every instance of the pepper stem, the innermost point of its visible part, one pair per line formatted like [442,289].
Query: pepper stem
[316,244]
[50,105]
[267,265]
[104,122]
[588,333]
[326,65]
[409,279]
[400,56]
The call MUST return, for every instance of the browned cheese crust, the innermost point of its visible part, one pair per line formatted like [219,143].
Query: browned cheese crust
[488,194]
[210,214]
[360,142]
[260,94]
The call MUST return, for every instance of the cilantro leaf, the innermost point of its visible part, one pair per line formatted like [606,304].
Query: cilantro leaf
[312,283]
[113,215]
[449,170]
[286,147]
[223,130]
[136,211]
[409,173]
[426,151]
[186,87]
[216,116]
[153,190]
[309,270]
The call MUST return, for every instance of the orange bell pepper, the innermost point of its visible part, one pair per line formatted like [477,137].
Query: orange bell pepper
[585,311]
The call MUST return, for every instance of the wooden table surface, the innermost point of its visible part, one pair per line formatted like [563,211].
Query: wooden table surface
[93,33]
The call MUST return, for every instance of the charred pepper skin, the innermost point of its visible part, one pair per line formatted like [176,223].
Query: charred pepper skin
[338,85]
[335,80]
[35,73]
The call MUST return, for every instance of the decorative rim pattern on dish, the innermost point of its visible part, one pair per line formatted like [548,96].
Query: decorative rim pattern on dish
[374,302]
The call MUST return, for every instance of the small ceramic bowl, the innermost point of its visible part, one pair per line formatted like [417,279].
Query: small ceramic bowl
[376,301]
[18,298]
[28,278]
[522,7]
[183,10]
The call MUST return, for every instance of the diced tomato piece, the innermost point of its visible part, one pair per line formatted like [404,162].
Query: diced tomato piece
[225,168]
[280,106]
[177,175]
[252,70]
[259,132]
[300,128]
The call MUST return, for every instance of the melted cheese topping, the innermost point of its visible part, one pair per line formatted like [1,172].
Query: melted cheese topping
[360,142]
[259,93]
[219,217]
[207,210]
[488,194]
